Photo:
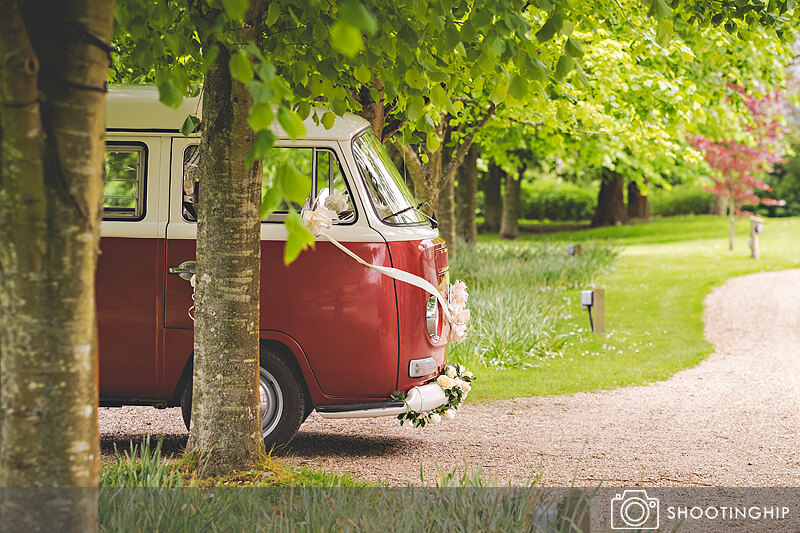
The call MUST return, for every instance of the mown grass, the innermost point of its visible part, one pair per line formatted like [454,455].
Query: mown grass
[654,304]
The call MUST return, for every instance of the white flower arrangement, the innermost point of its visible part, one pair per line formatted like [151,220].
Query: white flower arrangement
[455,381]
[336,201]
[318,217]
[457,305]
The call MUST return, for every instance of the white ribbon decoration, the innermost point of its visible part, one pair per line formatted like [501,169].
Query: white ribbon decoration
[320,219]
[396,273]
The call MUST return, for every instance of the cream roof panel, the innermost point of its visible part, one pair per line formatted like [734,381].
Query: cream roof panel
[136,107]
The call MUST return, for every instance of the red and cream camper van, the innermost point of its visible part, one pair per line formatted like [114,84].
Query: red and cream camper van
[336,336]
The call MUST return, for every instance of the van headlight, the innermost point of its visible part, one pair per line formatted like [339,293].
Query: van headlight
[432,318]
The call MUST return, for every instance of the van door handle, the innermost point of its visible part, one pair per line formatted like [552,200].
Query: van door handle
[185,270]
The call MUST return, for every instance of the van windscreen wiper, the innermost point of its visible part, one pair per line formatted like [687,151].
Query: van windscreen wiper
[416,208]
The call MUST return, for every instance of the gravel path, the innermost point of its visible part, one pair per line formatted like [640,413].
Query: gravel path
[733,420]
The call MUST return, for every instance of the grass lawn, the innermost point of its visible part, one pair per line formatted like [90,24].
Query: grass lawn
[654,304]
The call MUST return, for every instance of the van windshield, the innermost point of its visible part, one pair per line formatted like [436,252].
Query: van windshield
[390,196]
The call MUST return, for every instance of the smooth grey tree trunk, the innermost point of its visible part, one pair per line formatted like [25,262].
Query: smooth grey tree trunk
[493,198]
[467,196]
[445,213]
[52,124]
[225,420]
[509,228]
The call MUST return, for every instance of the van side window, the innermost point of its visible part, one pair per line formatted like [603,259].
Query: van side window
[331,188]
[123,190]
[318,163]
[302,159]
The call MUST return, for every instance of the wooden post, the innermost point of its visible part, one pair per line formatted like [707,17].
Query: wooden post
[599,308]
[756,225]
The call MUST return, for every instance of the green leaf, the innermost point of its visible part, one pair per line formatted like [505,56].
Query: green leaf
[563,66]
[573,48]
[567,27]
[581,78]
[660,10]
[433,141]
[260,91]
[295,185]
[210,56]
[320,31]
[265,71]
[413,79]
[415,108]
[260,117]
[500,92]
[664,33]
[240,67]
[291,123]
[273,13]
[190,125]
[362,74]
[235,9]
[303,110]
[299,237]
[439,96]
[262,145]
[539,71]
[169,93]
[328,119]
[518,87]
[550,28]
[355,14]
[271,201]
[346,38]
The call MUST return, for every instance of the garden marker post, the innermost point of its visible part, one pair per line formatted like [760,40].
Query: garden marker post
[756,227]
[600,311]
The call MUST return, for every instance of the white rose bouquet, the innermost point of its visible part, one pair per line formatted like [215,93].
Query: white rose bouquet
[456,382]
[457,297]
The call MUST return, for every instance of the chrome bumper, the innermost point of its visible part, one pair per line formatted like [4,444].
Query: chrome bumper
[420,399]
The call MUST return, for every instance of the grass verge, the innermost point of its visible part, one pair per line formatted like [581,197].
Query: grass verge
[654,304]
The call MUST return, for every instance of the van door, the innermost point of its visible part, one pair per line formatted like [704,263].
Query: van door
[343,315]
[129,277]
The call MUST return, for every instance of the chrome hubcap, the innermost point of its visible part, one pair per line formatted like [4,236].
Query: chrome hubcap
[271,401]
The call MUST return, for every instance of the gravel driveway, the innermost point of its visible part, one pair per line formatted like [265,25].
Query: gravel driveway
[733,420]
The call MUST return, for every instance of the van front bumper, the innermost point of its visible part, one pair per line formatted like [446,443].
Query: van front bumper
[422,398]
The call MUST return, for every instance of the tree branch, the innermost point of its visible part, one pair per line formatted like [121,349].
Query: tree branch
[463,148]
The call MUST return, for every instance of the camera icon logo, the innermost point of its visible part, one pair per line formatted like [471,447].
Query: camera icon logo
[633,509]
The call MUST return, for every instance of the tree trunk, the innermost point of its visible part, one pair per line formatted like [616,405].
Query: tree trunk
[445,215]
[493,199]
[225,420]
[732,218]
[467,192]
[52,123]
[717,205]
[638,206]
[509,228]
[610,202]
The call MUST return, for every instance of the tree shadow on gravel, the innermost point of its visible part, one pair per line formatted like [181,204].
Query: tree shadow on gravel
[172,444]
[313,444]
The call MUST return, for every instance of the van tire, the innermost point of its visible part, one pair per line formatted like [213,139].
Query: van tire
[285,406]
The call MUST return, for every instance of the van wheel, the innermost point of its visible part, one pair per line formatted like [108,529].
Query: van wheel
[281,400]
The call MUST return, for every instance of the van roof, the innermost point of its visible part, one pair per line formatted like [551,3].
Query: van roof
[137,108]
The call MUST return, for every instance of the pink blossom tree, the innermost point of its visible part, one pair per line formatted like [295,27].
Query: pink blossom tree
[740,165]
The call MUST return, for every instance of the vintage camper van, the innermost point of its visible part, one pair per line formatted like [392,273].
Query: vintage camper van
[335,336]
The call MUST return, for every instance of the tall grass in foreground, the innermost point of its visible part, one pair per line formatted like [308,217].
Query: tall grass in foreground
[155,498]
[517,301]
